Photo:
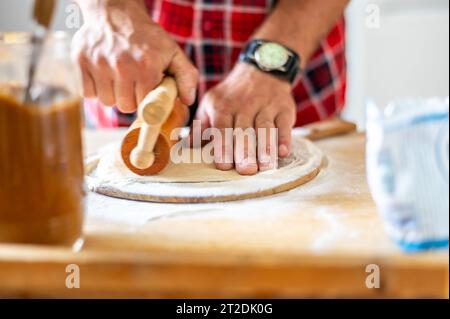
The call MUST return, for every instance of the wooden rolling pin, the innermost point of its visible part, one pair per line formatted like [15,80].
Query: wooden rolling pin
[146,147]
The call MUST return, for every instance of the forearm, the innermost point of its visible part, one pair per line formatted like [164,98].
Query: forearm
[301,24]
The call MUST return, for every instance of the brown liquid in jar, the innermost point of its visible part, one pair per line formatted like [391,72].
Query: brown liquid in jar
[41,171]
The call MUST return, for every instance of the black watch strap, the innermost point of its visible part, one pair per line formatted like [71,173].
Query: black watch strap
[292,67]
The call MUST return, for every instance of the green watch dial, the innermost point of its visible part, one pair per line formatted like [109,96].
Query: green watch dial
[271,56]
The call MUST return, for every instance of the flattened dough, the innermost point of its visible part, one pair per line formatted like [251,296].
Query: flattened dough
[193,182]
[111,167]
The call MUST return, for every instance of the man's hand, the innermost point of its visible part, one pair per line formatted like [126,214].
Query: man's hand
[249,98]
[123,54]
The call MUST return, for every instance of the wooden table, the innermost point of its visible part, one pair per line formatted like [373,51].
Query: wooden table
[315,241]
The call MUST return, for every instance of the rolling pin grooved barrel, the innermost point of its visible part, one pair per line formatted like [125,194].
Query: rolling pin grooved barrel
[147,142]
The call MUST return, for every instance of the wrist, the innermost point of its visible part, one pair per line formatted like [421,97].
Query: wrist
[246,72]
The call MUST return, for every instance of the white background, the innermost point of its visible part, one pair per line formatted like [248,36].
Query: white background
[408,55]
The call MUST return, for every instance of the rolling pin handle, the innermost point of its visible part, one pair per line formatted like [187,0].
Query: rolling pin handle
[153,111]
[142,159]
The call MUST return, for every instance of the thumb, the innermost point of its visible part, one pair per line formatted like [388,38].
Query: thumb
[186,76]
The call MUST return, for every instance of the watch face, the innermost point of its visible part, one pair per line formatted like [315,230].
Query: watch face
[271,56]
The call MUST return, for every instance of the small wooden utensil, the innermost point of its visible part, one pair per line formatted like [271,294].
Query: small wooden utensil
[327,128]
[146,147]
[42,14]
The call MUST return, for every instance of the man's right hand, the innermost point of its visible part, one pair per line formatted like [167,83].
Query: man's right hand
[123,54]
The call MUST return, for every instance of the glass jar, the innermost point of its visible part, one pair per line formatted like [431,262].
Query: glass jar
[41,163]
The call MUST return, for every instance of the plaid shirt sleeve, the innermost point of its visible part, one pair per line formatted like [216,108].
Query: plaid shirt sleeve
[213,33]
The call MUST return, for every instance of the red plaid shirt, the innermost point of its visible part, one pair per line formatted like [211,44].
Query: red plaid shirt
[213,33]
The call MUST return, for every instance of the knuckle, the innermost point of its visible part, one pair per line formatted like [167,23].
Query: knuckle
[100,61]
[143,60]
[219,122]
[80,58]
[263,123]
[219,104]
[122,63]
[221,108]
[148,77]
[250,101]
[123,58]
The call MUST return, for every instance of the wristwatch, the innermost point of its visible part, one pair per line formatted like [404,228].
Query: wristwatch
[273,58]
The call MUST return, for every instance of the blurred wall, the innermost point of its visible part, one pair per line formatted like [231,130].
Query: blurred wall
[405,52]
[15,15]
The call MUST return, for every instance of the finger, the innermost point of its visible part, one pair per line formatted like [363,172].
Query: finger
[125,95]
[284,122]
[105,89]
[223,146]
[130,76]
[89,90]
[245,145]
[186,76]
[201,118]
[103,76]
[145,85]
[267,141]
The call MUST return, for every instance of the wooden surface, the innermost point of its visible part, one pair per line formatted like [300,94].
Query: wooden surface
[314,241]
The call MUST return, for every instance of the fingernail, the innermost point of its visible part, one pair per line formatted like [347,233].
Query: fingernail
[247,167]
[248,162]
[283,150]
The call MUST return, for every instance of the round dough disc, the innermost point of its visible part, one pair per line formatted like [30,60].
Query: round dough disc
[188,182]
